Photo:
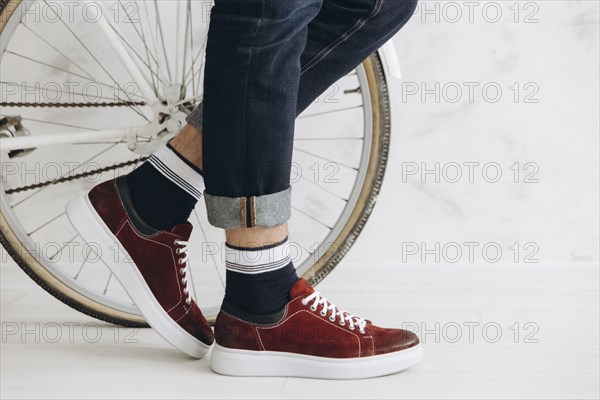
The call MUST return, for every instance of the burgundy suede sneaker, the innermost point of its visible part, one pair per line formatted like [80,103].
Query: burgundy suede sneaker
[311,338]
[150,264]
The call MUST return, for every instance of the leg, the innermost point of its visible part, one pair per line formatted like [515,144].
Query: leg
[343,34]
[278,66]
[253,73]
[270,322]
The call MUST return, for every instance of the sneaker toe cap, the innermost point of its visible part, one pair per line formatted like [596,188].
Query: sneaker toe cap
[196,325]
[392,340]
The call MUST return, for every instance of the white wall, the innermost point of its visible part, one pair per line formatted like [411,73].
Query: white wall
[559,134]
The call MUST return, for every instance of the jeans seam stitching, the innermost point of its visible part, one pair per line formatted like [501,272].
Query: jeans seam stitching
[342,39]
[243,211]
[253,211]
[250,58]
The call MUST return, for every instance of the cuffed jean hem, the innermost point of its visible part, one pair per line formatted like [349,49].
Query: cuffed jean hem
[196,116]
[249,212]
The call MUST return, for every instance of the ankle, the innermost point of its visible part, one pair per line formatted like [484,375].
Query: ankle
[251,238]
[188,144]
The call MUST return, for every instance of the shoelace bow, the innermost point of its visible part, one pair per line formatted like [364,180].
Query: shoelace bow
[336,312]
[184,267]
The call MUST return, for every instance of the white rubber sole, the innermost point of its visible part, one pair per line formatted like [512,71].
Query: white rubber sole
[92,229]
[238,362]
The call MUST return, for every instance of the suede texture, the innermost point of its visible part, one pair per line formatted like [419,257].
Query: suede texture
[156,258]
[304,331]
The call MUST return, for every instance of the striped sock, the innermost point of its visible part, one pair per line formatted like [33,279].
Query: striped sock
[259,279]
[165,189]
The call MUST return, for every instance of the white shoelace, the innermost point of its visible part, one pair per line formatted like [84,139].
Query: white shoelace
[184,267]
[344,316]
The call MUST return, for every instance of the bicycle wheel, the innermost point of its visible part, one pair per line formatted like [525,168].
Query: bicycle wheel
[77,78]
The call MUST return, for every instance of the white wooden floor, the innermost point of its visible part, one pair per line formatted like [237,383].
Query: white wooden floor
[555,356]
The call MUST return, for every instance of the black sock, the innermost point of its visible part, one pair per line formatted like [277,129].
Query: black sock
[259,279]
[165,189]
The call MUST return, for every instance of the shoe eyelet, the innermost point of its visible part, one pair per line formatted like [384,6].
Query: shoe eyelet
[180,261]
[332,319]
[323,313]
[342,323]
[183,281]
[313,308]
[351,328]
[188,302]
[181,271]
[178,251]
[185,291]
[362,332]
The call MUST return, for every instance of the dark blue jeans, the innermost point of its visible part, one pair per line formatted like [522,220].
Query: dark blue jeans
[267,61]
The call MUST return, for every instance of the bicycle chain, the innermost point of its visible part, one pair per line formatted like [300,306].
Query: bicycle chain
[85,174]
[77,176]
[76,105]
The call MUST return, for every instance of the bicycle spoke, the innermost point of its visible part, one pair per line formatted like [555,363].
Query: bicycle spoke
[193,62]
[135,53]
[51,220]
[49,65]
[192,79]
[325,158]
[107,283]
[155,40]
[101,65]
[85,260]
[60,250]
[177,24]
[322,188]
[305,249]
[329,112]
[191,70]
[142,36]
[58,51]
[140,32]
[65,71]
[327,138]
[59,124]
[196,86]
[313,218]
[186,36]
[162,39]
[202,52]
